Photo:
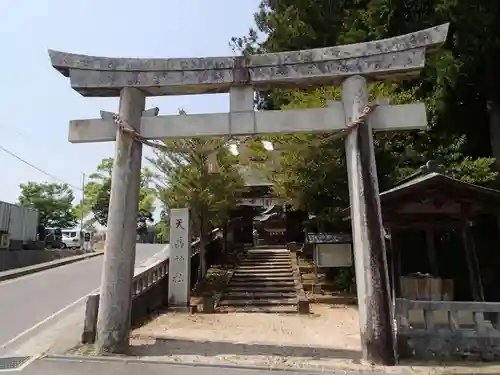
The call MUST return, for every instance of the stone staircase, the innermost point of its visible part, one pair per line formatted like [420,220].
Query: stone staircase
[264,281]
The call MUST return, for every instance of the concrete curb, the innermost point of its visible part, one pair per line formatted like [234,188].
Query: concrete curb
[23,271]
[124,359]
[311,371]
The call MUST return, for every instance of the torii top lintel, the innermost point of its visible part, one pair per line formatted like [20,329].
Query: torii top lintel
[399,57]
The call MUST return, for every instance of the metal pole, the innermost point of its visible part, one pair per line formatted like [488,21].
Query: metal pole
[82,238]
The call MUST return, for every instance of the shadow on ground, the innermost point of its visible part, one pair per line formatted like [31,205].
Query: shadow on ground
[172,347]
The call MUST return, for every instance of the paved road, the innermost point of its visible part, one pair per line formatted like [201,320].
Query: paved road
[48,366]
[30,302]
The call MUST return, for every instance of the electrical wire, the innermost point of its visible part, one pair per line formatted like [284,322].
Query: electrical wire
[37,168]
[26,136]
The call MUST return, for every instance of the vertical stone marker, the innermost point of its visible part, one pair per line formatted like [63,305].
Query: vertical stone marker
[400,57]
[179,276]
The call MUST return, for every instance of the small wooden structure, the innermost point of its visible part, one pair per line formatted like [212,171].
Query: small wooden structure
[418,212]
[435,270]
[258,193]
[261,217]
[330,250]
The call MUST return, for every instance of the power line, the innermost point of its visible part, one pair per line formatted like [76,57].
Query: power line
[37,168]
[28,137]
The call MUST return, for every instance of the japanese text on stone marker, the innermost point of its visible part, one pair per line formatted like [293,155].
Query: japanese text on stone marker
[178,224]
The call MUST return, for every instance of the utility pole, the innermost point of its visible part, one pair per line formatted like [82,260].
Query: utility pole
[113,323]
[82,238]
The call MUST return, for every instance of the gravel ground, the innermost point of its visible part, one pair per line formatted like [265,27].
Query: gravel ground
[327,339]
[277,340]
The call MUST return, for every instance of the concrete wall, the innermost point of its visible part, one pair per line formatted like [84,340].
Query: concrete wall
[23,258]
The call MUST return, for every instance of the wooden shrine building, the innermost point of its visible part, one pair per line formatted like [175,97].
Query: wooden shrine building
[256,200]
[443,232]
[262,218]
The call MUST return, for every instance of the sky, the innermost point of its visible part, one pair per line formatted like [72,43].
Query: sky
[37,102]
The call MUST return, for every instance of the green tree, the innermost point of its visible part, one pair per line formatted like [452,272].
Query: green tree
[53,202]
[98,191]
[146,202]
[183,180]
[314,177]
[163,227]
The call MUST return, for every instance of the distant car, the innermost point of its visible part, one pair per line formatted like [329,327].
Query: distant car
[69,242]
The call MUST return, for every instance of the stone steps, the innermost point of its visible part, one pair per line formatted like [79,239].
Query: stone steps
[258,265]
[263,276]
[277,280]
[271,262]
[276,309]
[257,289]
[266,258]
[265,262]
[279,266]
[259,295]
[259,284]
[263,282]
[259,302]
[259,271]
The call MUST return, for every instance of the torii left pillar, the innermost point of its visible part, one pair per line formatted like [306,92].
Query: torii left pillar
[113,322]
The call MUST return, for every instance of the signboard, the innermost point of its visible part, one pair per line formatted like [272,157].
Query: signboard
[317,238]
[179,263]
[333,255]
[87,237]
[261,202]
[331,249]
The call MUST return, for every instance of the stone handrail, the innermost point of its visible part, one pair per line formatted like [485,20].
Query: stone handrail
[152,274]
[146,279]
[448,329]
[302,300]
[149,292]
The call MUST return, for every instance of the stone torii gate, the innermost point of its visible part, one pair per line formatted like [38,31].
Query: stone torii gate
[350,66]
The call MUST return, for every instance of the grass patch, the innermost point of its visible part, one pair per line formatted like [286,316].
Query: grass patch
[82,350]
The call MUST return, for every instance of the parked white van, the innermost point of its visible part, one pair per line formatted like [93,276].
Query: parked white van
[71,238]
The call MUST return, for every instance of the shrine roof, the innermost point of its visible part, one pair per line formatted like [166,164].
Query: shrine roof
[441,182]
[434,185]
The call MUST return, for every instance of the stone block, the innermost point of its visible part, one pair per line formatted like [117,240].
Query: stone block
[207,305]
[316,288]
[303,305]
[90,323]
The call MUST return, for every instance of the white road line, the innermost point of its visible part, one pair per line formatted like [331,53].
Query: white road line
[57,313]
[40,323]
